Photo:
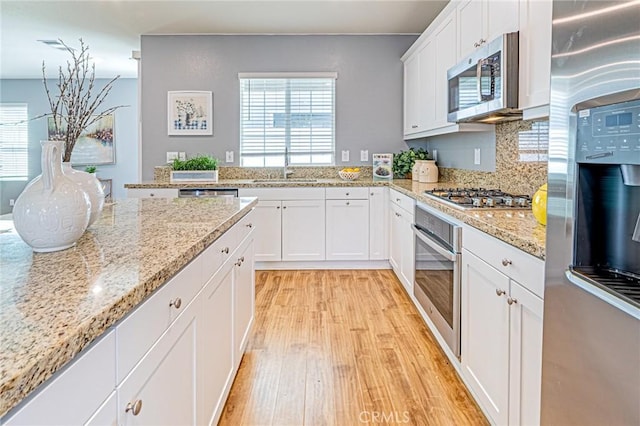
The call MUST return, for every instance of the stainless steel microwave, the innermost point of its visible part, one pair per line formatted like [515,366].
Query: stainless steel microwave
[484,86]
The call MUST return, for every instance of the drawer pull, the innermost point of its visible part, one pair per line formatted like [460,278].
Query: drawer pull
[249,225]
[397,200]
[372,194]
[134,407]
[500,292]
[347,194]
[414,126]
[506,262]
[347,203]
[176,303]
[511,301]
[152,194]
[225,250]
[277,207]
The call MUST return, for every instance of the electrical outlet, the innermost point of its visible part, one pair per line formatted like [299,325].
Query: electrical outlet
[364,155]
[476,156]
[228,156]
[12,202]
[345,155]
[182,155]
[435,155]
[171,155]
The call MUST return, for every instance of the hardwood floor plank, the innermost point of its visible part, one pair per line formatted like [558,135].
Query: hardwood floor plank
[343,348]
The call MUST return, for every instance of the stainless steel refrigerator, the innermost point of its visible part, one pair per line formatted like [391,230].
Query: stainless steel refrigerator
[591,338]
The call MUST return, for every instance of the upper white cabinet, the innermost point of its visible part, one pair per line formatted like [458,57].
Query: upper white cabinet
[501,328]
[480,21]
[445,57]
[412,114]
[535,57]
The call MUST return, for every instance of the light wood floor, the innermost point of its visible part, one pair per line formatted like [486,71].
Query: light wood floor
[343,348]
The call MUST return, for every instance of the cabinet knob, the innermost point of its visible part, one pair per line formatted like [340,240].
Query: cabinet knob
[249,225]
[347,203]
[225,250]
[347,194]
[398,214]
[500,292]
[152,194]
[284,207]
[511,301]
[135,407]
[506,262]
[372,194]
[176,303]
[414,126]
[397,200]
[277,207]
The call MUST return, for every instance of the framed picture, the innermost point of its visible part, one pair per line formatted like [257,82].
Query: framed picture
[96,144]
[190,113]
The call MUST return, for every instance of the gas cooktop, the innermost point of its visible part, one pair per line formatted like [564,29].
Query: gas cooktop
[480,198]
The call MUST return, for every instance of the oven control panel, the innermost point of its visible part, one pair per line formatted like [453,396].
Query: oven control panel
[609,134]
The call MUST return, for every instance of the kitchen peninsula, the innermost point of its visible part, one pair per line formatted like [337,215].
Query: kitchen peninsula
[54,305]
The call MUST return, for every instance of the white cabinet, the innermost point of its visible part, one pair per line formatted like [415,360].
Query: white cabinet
[535,57]
[445,57]
[412,118]
[480,21]
[347,224]
[152,192]
[303,230]
[73,395]
[161,389]
[107,414]
[243,299]
[402,247]
[268,238]
[501,328]
[378,223]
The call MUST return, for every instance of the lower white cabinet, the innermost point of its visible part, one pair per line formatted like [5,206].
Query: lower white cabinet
[243,299]
[268,238]
[303,230]
[402,247]
[378,223]
[501,330]
[347,229]
[152,192]
[161,389]
[107,414]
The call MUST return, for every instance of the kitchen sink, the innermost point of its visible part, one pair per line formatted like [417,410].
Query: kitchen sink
[292,180]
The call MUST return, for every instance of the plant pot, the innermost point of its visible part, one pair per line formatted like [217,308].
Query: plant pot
[194,176]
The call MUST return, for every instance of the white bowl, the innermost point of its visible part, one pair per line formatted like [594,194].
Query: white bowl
[349,175]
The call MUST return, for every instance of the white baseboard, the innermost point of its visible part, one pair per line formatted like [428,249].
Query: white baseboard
[325,264]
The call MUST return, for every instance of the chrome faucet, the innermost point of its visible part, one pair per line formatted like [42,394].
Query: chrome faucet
[285,171]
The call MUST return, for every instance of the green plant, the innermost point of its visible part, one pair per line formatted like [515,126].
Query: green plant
[404,160]
[90,169]
[199,162]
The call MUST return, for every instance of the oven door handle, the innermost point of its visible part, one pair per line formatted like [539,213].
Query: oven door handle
[433,244]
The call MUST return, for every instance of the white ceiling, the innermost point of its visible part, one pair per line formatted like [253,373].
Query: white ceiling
[112,28]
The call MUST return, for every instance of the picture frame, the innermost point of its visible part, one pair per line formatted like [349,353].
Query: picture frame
[96,144]
[189,113]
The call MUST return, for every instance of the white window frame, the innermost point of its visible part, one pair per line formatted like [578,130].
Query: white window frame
[275,157]
[14,141]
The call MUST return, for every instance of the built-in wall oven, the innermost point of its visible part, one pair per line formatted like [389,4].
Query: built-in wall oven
[437,271]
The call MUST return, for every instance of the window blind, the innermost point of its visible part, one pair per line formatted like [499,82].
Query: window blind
[14,141]
[287,114]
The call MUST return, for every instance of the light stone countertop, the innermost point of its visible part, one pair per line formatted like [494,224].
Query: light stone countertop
[518,228]
[52,305]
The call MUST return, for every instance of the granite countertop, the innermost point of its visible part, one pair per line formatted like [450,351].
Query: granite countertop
[518,228]
[52,305]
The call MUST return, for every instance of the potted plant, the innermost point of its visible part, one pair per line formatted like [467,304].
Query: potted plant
[404,160]
[201,168]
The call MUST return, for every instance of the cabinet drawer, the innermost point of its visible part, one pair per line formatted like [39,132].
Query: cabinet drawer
[347,193]
[511,261]
[244,227]
[64,399]
[402,201]
[283,193]
[138,332]
[152,192]
[216,254]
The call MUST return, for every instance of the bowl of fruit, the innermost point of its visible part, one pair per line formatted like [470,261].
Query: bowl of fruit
[349,173]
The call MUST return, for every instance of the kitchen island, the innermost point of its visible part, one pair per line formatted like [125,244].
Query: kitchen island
[54,305]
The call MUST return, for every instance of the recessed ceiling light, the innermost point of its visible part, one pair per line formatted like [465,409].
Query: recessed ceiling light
[54,43]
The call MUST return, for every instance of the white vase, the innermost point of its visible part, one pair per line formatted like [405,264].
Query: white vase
[52,212]
[89,184]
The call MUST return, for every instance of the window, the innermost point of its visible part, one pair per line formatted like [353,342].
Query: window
[14,141]
[533,145]
[290,115]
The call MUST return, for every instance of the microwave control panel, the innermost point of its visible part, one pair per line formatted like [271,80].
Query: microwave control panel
[609,134]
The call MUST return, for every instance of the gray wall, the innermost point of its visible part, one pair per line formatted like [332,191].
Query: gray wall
[457,150]
[368,89]
[125,170]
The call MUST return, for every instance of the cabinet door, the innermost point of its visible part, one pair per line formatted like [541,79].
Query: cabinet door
[164,382]
[243,300]
[501,17]
[525,355]
[268,233]
[303,230]
[215,344]
[535,53]
[427,93]
[485,335]
[378,223]
[407,259]
[411,94]
[347,229]
[395,237]
[445,57]
[470,25]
